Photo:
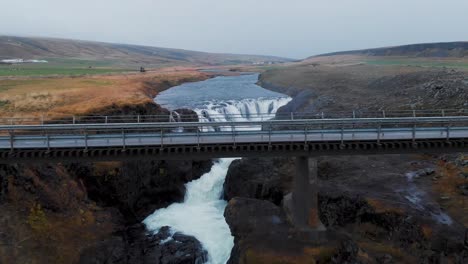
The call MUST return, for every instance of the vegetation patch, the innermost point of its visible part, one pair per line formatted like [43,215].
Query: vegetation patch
[66,96]
[4,103]
[13,70]
[451,176]
[382,248]
[419,63]
[37,219]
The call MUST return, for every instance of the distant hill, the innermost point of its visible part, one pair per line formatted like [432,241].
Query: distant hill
[124,54]
[438,50]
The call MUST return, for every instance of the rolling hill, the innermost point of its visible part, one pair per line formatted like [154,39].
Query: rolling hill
[435,50]
[116,54]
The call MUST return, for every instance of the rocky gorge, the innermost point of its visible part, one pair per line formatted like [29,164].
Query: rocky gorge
[91,212]
[373,209]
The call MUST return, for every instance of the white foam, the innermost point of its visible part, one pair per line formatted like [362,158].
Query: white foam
[238,111]
[202,213]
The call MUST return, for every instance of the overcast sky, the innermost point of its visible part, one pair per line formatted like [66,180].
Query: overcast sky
[289,28]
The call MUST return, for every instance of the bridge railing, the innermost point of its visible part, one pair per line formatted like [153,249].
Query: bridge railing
[10,134]
[185,117]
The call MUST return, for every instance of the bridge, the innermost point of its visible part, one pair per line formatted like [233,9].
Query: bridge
[303,135]
[300,134]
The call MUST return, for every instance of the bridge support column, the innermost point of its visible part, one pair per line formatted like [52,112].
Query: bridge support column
[302,204]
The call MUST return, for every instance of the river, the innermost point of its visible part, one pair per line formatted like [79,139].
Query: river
[232,98]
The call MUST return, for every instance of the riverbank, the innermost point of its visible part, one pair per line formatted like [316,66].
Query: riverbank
[59,213]
[373,211]
[56,97]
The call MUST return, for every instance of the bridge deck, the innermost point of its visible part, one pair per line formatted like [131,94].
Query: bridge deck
[189,139]
[169,139]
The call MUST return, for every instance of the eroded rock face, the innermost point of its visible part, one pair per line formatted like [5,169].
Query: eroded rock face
[136,246]
[57,209]
[265,179]
[260,225]
[138,188]
[262,234]
[341,210]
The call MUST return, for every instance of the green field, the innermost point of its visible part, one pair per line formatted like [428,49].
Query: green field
[420,63]
[63,67]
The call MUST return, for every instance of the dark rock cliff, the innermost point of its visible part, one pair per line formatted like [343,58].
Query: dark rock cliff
[363,200]
[135,246]
[63,209]
[360,229]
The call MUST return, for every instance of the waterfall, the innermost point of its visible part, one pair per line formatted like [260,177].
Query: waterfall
[202,213]
[242,110]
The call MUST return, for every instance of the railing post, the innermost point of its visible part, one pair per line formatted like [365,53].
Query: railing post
[42,119]
[305,136]
[162,138]
[379,128]
[12,140]
[48,142]
[106,120]
[321,131]
[74,119]
[354,114]
[123,139]
[414,132]
[383,113]
[443,113]
[323,116]
[233,132]
[414,113]
[342,135]
[269,135]
[138,119]
[448,132]
[198,138]
[292,116]
[86,139]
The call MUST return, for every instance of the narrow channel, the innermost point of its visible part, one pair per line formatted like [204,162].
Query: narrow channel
[233,98]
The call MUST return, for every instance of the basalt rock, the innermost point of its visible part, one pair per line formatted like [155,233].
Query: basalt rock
[6,171]
[48,185]
[253,220]
[347,253]
[138,188]
[136,246]
[262,234]
[342,210]
[260,178]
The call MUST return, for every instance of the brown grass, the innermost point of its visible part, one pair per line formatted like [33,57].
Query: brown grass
[310,255]
[382,207]
[380,249]
[55,97]
[45,235]
[447,186]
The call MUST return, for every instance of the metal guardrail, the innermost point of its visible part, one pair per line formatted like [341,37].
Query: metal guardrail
[50,135]
[177,117]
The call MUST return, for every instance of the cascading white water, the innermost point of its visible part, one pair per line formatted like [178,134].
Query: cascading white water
[244,110]
[202,213]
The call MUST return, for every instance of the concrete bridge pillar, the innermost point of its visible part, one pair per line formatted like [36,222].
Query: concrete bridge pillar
[302,204]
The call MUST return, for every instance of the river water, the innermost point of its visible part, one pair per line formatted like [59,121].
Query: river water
[233,98]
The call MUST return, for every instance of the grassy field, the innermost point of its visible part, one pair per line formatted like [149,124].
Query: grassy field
[59,96]
[64,67]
